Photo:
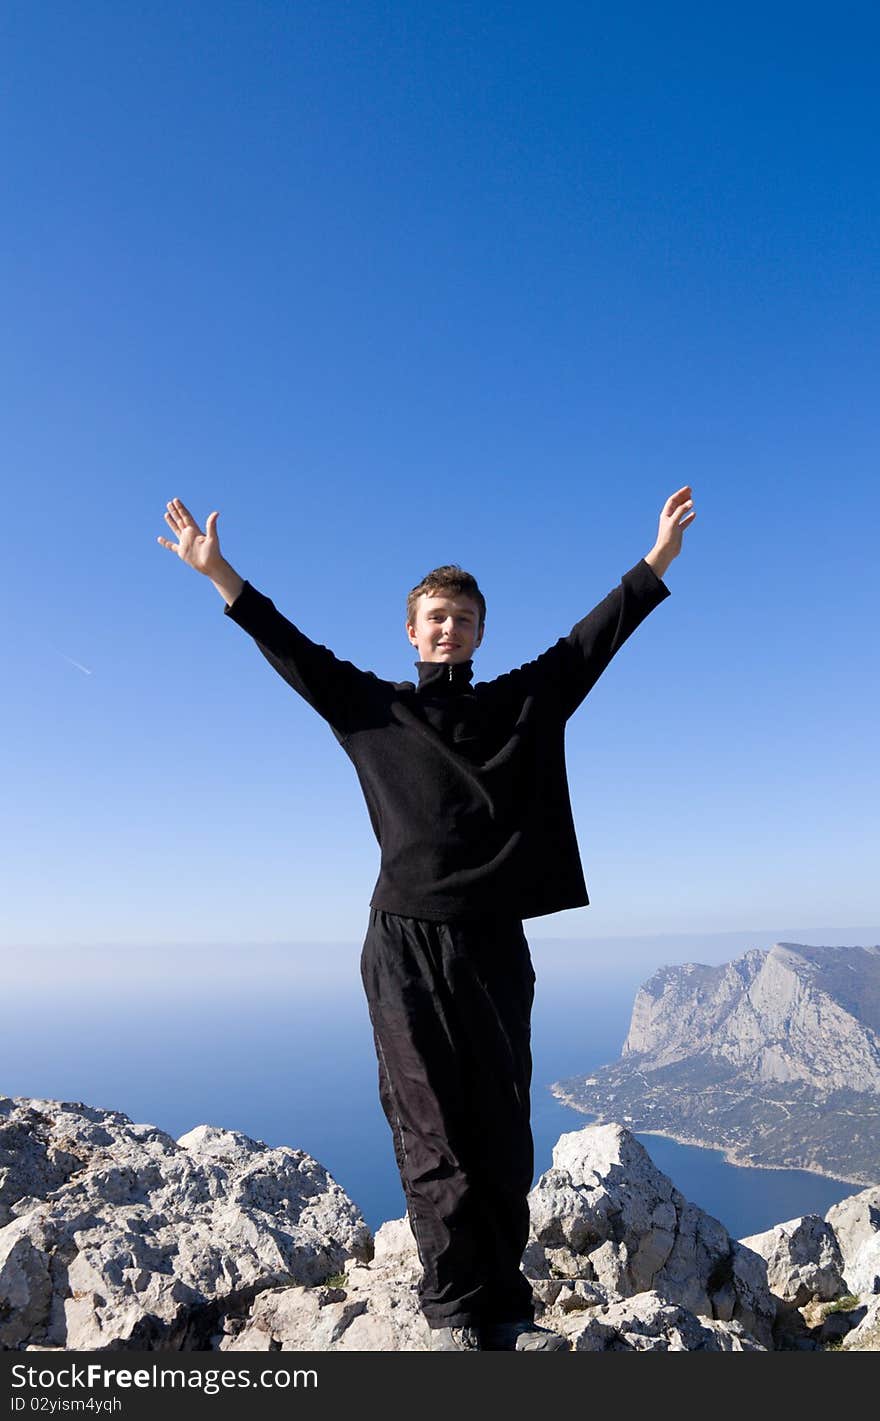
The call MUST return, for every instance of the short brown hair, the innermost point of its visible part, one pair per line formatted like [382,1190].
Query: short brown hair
[449,578]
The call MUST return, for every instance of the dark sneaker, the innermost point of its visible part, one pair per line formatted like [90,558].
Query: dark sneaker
[455,1339]
[523,1336]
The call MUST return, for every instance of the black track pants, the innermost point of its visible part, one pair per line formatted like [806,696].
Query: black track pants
[450,1005]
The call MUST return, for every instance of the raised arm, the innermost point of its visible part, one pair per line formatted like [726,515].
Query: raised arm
[340,692]
[570,668]
[595,640]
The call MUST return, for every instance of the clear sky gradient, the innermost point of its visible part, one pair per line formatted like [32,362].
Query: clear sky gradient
[391,285]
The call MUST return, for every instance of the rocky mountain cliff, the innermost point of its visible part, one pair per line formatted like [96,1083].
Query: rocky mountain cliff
[115,1236]
[774,1058]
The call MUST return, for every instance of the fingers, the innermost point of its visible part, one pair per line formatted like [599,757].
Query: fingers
[172,547]
[688,520]
[676,499]
[182,512]
[179,516]
[676,509]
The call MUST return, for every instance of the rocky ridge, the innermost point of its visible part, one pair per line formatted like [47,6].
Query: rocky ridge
[773,1058]
[113,1235]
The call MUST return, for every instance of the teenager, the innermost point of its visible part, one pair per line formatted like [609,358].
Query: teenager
[467,794]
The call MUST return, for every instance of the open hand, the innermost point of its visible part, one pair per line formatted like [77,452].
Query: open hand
[674,518]
[678,513]
[199,550]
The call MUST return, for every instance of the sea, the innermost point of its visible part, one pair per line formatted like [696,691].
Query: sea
[286,1056]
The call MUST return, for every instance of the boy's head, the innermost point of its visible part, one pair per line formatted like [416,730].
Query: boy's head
[446,615]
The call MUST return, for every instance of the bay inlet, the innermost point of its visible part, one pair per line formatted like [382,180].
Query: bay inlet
[289,1059]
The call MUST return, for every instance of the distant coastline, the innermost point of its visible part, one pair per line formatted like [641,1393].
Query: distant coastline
[729,1155]
[772,1059]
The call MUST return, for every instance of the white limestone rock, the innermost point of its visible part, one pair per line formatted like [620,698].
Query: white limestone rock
[26,1286]
[118,1236]
[376,1308]
[863,1270]
[804,1262]
[865,1337]
[821,1002]
[648,1323]
[823,1324]
[139,1239]
[606,1214]
[578,1296]
[773,1058]
[856,1224]
[36,1156]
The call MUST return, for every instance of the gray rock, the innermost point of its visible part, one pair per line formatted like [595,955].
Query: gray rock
[578,1296]
[117,1236]
[793,1013]
[773,1058]
[604,1213]
[865,1337]
[824,1323]
[376,1309]
[856,1224]
[139,1239]
[648,1323]
[26,1285]
[804,1262]
[863,1271]
[36,1156]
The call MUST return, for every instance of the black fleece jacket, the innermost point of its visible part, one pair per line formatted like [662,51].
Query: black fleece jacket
[465,784]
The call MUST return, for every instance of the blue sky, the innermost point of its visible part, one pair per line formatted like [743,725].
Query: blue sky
[394,285]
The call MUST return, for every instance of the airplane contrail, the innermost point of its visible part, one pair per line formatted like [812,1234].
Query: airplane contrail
[85,670]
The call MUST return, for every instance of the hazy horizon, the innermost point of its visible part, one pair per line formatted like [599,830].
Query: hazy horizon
[317,965]
[290,1060]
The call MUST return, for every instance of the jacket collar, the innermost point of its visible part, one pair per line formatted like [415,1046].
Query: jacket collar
[444,676]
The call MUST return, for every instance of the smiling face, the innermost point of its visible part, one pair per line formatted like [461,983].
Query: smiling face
[446,627]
